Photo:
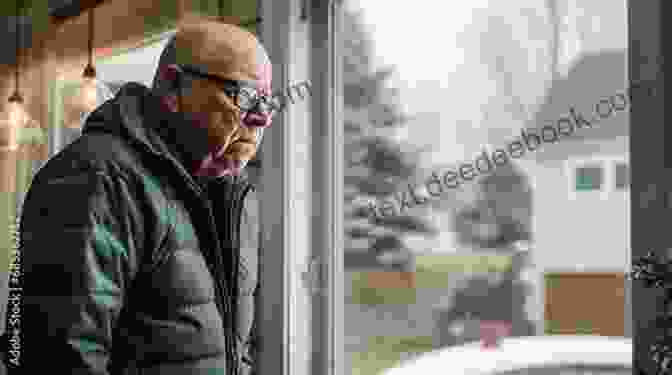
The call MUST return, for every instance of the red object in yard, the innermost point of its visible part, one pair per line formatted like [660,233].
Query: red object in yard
[492,331]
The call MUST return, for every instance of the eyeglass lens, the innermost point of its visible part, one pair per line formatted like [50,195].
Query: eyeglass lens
[249,100]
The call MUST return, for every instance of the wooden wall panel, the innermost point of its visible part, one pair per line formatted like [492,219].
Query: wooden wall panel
[61,49]
[118,24]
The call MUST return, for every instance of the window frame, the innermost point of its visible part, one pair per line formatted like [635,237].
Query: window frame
[607,163]
[272,310]
[616,164]
[326,18]
[594,167]
[298,33]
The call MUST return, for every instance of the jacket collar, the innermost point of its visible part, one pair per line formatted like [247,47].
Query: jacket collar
[136,113]
[128,113]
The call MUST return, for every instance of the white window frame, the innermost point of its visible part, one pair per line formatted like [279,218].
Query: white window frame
[608,165]
[282,302]
[614,164]
[326,26]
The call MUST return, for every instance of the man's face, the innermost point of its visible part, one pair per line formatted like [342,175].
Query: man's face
[232,133]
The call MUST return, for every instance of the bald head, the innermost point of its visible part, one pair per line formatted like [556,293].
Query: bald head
[225,49]
[221,48]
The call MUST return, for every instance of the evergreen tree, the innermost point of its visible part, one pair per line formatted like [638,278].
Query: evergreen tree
[500,214]
[375,165]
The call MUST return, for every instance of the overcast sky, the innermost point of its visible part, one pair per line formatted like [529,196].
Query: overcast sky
[434,46]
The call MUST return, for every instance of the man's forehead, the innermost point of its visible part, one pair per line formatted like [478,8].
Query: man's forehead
[225,49]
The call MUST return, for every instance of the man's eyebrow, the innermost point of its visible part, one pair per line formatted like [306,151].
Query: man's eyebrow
[205,73]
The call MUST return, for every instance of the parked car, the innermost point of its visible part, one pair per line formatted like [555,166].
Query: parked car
[532,355]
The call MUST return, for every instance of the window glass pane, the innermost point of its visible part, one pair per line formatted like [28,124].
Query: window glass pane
[454,124]
[589,178]
[622,176]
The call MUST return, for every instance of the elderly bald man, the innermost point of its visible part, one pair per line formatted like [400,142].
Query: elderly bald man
[139,239]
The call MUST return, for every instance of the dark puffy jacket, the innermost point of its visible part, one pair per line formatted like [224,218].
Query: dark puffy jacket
[120,245]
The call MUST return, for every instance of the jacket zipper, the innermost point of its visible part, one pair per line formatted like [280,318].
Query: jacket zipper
[203,198]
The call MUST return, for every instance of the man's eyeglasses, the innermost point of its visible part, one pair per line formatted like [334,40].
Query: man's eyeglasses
[244,93]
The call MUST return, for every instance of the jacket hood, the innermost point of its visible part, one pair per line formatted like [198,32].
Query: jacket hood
[137,114]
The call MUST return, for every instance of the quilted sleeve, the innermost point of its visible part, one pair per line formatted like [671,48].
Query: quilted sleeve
[80,236]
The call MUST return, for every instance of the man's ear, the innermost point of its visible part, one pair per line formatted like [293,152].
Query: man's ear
[171,86]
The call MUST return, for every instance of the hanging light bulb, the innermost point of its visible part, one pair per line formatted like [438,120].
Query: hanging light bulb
[16,112]
[88,93]
[16,115]
[16,118]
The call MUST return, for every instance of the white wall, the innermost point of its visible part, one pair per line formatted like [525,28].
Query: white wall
[587,232]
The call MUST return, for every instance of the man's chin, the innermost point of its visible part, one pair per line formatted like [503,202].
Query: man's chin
[220,167]
[218,172]
[237,150]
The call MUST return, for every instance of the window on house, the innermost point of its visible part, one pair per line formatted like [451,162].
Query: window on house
[622,176]
[589,178]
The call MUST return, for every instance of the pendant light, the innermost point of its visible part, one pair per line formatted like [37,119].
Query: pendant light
[88,93]
[17,114]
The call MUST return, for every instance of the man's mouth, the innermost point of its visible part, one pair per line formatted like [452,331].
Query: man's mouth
[255,120]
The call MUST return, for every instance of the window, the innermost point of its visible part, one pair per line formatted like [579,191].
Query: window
[608,175]
[295,313]
[589,178]
[622,176]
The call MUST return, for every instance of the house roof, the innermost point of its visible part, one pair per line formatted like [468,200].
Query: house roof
[594,77]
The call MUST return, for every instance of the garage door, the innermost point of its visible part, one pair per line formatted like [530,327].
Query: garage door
[585,303]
